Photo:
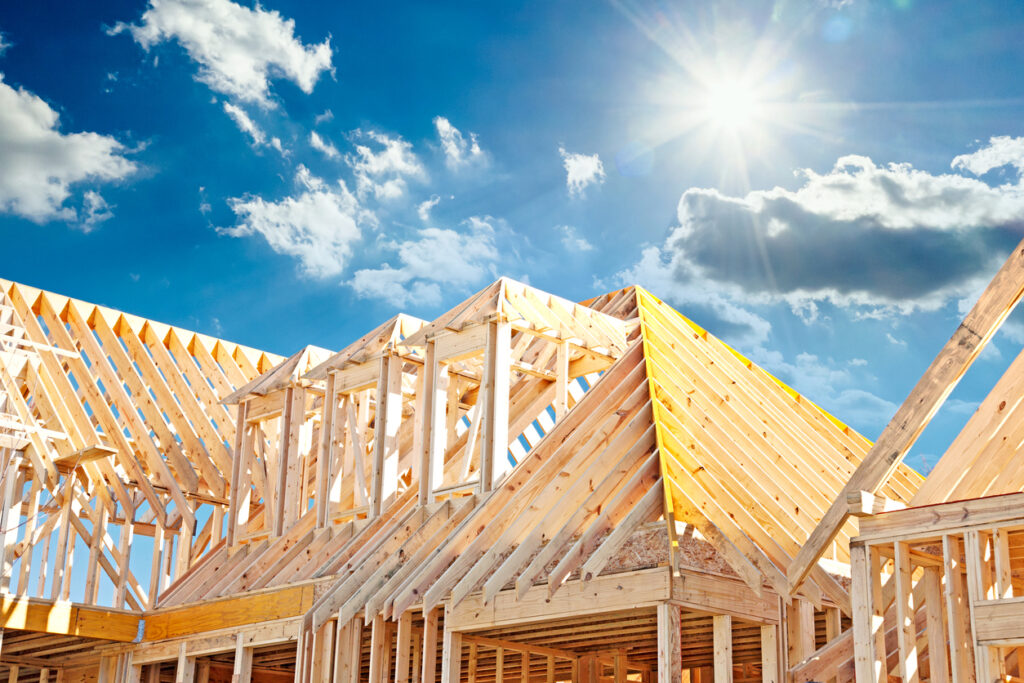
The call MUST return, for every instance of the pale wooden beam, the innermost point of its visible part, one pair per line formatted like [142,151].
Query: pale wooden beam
[451,657]
[977,328]
[325,457]
[124,550]
[769,654]
[241,671]
[494,421]
[403,648]
[429,669]
[800,630]
[988,662]
[185,671]
[237,498]
[562,380]
[9,517]
[384,476]
[473,653]
[379,647]
[722,636]
[434,423]
[864,655]
[961,642]
[937,661]
[670,664]
[906,613]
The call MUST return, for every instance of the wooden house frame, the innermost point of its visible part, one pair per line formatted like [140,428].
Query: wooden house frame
[525,488]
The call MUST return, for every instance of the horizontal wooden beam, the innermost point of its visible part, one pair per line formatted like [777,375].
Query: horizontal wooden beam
[930,521]
[864,503]
[575,598]
[518,647]
[231,612]
[63,618]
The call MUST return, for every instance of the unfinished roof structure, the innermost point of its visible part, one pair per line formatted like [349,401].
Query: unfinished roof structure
[525,487]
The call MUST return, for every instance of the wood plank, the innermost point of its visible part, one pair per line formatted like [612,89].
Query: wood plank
[722,624]
[985,317]
[670,666]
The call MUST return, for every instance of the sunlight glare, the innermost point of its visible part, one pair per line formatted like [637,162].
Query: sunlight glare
[731,105]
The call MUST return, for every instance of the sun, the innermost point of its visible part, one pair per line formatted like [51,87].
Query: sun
[731,105]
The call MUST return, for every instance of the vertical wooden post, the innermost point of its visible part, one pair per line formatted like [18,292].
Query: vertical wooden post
[472,662]
[156,564]
[524,667]
[550,673]
[403,648]
[1001,553]
[800,630]
[988,661]
[499,665]
[906,612]
[30,530]
[562,380]
[124,550]
[12,675]
[769,654]
[241,672]
[185,671]
[434,425]
[385,432]
[451,657]
[379,647]
[862,575]
[61,563]
[107,670]
[237,465]
[203,671]
[620,667]
[99,530]
[430,619]
[289,462]
[325,456]
[935,629]
[183,558]
[9,517]
[494,426]
[722,625]
[670,665]
[961,643]
[589,669]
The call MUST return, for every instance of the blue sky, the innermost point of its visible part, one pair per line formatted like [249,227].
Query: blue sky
[825,185]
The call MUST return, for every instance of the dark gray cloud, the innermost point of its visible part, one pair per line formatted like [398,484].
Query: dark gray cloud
[876,239]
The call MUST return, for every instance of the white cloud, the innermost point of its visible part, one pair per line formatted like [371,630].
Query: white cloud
[238,49]
[877,240]
[423,210]
[1000,151]
[572,241]
[41,164]
[381,170]
[437,258]
[581,170]
[318,225]
[4,44]
[458,151]
[245,124]
[321,145]
[95,210]
[326,116]
[894,341]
